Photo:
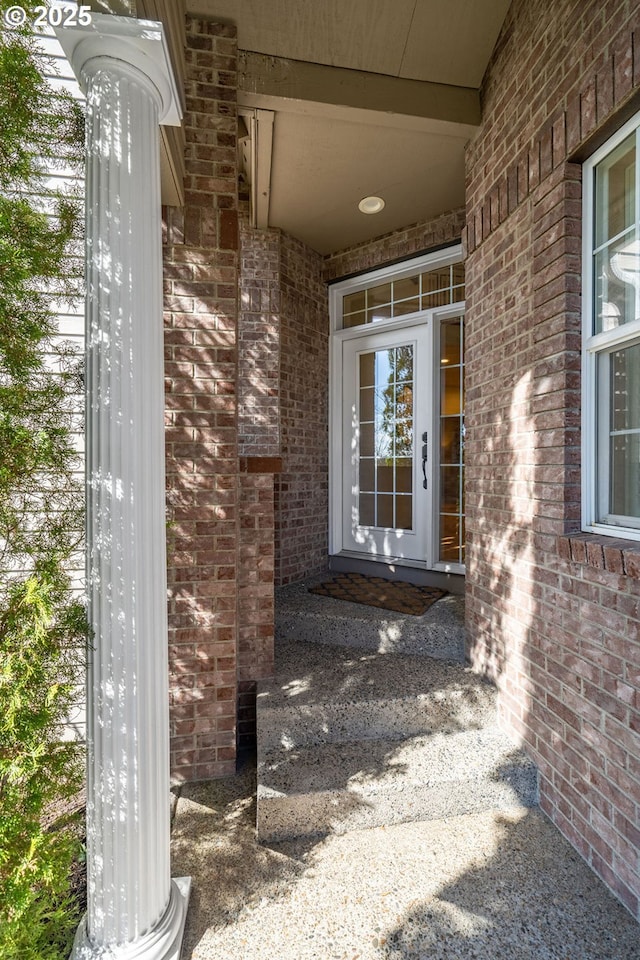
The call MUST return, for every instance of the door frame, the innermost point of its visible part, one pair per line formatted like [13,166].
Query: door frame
[418,539]
[337,290]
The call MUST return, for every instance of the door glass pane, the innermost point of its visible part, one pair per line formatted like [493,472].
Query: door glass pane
[367,509]
[386,414]
[404,519]
[384,505]
[404,474]
[451,379]
[451,474]
[367,474]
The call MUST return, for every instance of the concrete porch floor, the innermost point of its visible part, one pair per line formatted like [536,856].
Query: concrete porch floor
[490,885]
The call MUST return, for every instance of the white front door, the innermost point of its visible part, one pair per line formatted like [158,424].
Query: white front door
[388,397]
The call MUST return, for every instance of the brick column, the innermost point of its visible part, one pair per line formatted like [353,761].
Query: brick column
[201,272]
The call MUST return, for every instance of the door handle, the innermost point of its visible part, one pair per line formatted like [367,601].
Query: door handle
[425,457]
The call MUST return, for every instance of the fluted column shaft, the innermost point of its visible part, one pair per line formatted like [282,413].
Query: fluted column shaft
[134,909]
[128,709]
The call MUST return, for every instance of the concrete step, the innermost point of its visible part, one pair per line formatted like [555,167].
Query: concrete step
[331,694]
[438,633]
[378,728]
[337,787]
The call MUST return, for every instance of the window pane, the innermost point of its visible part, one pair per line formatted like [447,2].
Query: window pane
[617,282]
[376,296]
[457,273]
[399,298]
[431,300]
[615,192]
[404,307]
[624,433]
[619,437]
[354,319]
[376,314]
[353,302]
[625,389]
[409,287]
[625,475]
[439,279]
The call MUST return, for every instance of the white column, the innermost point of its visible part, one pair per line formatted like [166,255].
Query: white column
[134,908]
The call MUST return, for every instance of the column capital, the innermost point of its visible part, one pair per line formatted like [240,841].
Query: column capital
[139,43]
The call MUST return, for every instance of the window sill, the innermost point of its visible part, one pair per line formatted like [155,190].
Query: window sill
[606,553]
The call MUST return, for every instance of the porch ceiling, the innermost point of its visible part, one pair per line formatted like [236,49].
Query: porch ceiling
[369,97]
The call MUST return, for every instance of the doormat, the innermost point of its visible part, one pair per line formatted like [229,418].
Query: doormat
[394,595]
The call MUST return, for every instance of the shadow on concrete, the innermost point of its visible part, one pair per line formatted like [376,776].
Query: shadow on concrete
[486,886]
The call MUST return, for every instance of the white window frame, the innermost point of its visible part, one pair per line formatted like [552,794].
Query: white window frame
[337,291]
[595,464]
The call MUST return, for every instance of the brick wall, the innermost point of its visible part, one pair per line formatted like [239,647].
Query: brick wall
[255,593]
[408,242]
[302,509]
[201,269]
[553,618]
[259,340]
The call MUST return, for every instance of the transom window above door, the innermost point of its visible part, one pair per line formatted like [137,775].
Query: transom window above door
[425,290]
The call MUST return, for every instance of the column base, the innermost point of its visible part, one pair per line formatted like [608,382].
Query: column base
[164,942]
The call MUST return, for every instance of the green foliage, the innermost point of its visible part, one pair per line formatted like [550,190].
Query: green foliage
[42,626]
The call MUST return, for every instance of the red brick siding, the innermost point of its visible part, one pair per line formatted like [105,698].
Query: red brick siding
[302,487]
[554,618]
[259,340]
[255,577]
[201,268]
[255,596]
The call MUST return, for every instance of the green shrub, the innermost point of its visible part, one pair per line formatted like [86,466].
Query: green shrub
[42,624]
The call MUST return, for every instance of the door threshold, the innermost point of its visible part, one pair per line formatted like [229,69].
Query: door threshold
[412,571]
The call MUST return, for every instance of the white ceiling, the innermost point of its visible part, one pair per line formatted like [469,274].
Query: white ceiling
[326,158]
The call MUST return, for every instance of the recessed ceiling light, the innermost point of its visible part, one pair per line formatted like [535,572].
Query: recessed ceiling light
[371,205]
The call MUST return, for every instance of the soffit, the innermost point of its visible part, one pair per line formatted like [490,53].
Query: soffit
[328,154]
[445,41]
[322,167]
